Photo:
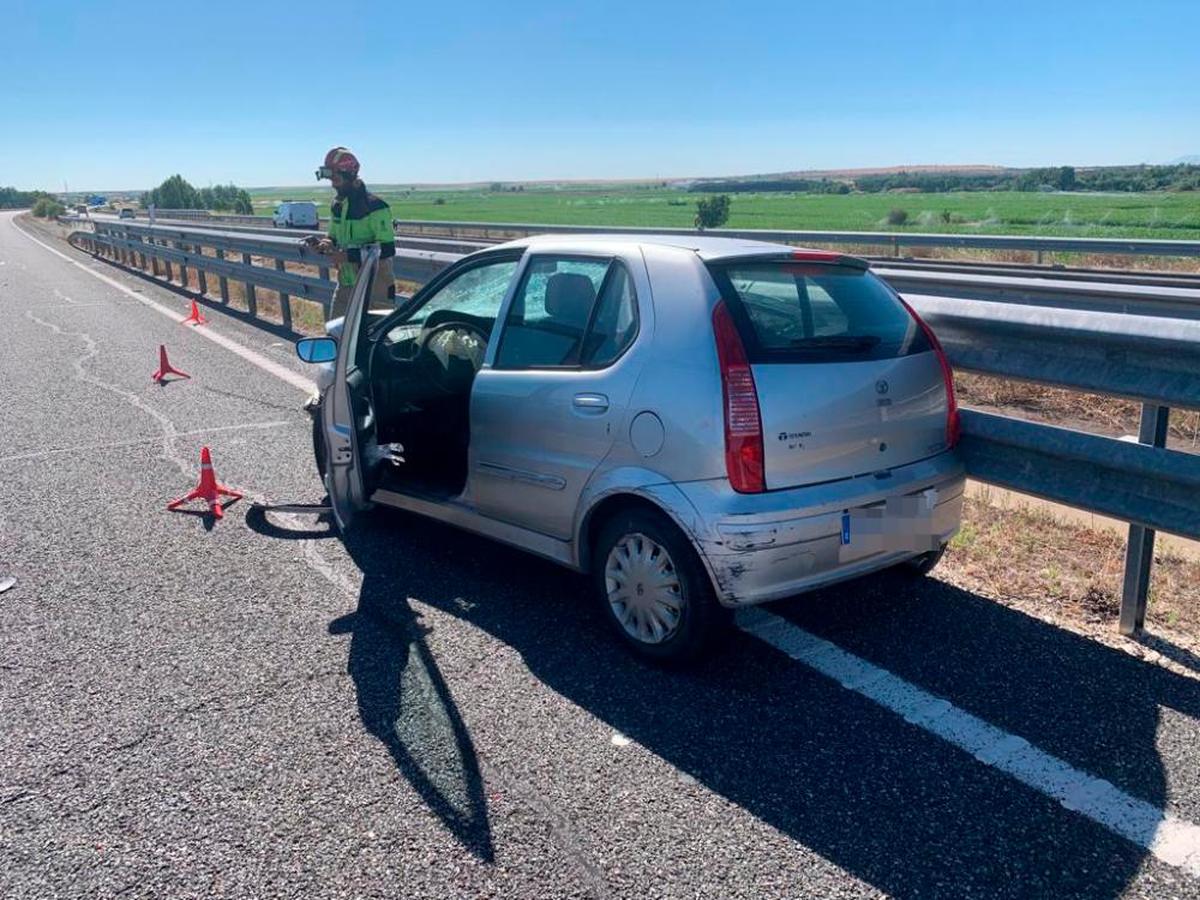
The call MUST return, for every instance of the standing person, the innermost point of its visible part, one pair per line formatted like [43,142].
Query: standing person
[358,218]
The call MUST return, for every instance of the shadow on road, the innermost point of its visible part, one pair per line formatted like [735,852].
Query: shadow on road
[884,800]
[405,703]
[403,700]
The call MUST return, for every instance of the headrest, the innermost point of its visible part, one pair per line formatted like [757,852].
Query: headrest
[569,298]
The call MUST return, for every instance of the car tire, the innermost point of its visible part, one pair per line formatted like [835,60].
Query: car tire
[920,566]
[650,547]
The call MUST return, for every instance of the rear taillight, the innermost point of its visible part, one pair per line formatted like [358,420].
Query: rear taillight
[743,424]
[953,421]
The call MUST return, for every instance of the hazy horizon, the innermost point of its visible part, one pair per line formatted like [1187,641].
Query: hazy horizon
[585,180]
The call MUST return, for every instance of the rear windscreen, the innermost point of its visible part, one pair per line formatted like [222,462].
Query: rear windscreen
[814,312]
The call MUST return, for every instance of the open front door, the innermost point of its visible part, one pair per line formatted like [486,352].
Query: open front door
[346,414]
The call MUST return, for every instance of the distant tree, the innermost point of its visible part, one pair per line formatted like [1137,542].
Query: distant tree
[897,216]
[174,193]
[1066,178]
[177,193]
[11,198]
[48,208]
[712,212]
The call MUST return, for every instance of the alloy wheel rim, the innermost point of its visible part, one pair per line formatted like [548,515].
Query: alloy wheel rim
[643,588]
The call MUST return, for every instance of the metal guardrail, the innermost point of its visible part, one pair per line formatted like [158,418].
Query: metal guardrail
[1140,342]
[149,247]
[894,240]
[1151,359]
[233,258]
[1122,297]
[214,218]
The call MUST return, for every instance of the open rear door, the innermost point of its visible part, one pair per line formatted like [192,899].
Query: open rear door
[340,414]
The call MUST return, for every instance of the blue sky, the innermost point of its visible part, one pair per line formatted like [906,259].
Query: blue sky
[123,94]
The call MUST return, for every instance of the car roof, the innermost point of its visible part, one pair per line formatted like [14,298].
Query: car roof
[706,247]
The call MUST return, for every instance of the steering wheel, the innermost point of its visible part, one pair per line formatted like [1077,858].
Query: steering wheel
[439,348]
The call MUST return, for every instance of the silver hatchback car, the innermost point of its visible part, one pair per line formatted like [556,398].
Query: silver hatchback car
[699,423]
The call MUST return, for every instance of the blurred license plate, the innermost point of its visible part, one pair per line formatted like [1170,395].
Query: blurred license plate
[899,524]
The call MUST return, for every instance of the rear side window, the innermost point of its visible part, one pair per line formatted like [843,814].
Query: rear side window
[813,312]
[569,313]
[615,323]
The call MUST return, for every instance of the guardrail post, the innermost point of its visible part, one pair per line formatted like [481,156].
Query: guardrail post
[1139,552]
[285,302]
[222,280]
[251,298]
[182,266]
[200,273]
[895,246]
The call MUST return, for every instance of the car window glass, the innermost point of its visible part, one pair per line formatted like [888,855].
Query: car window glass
[550,313]
[801,312]
[478,292]
[828,317]
[615,324]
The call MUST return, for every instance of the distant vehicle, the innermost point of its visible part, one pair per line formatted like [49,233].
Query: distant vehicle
[296,214]
[699,423]
[81,208]
[125,213]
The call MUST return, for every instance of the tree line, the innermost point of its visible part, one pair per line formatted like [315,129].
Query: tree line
[177,193]
[1181,177]
[11,198]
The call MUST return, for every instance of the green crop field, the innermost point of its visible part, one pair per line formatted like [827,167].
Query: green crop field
[1144,215]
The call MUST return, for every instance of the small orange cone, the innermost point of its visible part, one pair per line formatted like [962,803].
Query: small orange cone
[209,489]
[165,368]
[194,317]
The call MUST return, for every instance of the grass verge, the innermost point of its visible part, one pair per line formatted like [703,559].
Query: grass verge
[1026,558]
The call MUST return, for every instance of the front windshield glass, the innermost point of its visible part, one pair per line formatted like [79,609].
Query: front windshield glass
[476,292]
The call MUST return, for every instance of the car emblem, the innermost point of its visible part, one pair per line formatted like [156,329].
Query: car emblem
[881,386]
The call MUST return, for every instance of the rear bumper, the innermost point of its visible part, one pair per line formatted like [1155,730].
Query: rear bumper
[761,547]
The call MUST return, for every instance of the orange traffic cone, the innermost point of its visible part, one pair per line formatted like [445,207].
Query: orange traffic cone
[194,317]
[165,368]
[209,489]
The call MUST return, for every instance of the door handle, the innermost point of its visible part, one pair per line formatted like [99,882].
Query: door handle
[593,403]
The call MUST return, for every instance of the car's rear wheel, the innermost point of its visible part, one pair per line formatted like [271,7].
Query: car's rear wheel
[653,589]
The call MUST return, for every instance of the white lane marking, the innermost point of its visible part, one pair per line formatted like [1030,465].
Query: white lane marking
[116,445]
[1173,840]
[619,740]
[267,365]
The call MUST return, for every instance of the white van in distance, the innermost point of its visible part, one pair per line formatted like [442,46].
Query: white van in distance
[296,214]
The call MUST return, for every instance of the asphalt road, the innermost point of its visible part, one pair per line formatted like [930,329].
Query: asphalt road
[260,708]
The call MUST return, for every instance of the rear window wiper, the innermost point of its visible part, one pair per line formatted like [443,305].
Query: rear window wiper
[837,342]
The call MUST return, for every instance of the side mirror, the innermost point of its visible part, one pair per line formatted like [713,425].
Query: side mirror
[317,350]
